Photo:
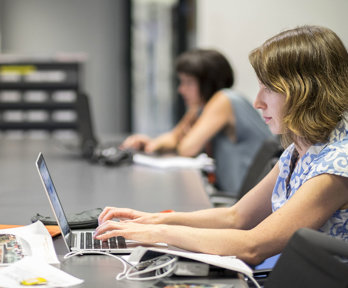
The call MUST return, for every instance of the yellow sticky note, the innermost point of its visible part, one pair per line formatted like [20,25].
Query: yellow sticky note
[34,281]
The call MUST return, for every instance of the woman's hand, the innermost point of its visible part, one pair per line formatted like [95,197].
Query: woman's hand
[110,213]
[129,215]
[164,142]
[149,145]
[137,142]
[130,230]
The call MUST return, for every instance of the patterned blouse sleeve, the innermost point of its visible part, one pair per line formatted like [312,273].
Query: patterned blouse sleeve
[333,160]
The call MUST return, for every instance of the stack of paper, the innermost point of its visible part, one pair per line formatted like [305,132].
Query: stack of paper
[200,162]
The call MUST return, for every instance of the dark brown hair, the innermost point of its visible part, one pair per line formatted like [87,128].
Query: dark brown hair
[211,69]
[309,65]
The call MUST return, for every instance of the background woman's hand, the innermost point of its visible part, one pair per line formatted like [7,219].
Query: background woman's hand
[137,142]
[163,143]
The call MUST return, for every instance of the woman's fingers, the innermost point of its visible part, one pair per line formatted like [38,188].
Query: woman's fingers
[110,213]
[129,230]
[135,141]
[102,217]
[108,229]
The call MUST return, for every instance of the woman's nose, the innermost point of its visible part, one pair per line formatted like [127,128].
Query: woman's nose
[180,88]
[259,103]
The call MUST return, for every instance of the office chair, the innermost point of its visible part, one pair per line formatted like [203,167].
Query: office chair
[263,162]
[311,259]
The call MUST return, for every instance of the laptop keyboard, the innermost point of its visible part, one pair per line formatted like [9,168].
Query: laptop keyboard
[88,242]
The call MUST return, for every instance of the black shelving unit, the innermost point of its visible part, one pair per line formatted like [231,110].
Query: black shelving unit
[49,77]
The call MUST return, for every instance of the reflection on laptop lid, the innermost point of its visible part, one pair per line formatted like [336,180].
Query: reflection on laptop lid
[53,199]
[80,240]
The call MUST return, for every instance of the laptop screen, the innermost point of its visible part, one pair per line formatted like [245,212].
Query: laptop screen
[53,197]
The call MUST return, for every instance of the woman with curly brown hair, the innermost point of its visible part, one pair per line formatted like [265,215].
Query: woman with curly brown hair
[303,96]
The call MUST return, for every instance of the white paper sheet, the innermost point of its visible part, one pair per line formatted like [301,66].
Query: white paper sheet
[200,162]
[31,267]
[36,241]
[227,262]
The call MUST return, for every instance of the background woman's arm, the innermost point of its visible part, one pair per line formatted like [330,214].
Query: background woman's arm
[169,141]
[217,113]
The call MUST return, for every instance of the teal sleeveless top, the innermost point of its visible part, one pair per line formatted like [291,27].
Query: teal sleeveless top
[232,159]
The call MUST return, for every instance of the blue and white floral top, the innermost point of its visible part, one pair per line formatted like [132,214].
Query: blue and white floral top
[330,158]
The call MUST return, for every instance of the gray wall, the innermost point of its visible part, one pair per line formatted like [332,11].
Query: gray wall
[236,27]
[95,27]
[45,27]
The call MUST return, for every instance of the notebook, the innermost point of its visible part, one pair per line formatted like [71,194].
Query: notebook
[81,239]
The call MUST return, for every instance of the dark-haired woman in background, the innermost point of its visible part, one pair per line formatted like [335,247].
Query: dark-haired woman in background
[216,117]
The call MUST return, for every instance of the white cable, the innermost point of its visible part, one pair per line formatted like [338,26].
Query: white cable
[168,266]
[127,273]
[81,252]
[254,281]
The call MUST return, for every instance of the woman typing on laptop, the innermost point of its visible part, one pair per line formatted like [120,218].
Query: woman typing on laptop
[303,96]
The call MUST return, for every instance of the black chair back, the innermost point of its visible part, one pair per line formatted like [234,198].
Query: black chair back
[311,259]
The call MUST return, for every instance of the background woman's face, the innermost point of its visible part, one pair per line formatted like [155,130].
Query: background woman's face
[189,89]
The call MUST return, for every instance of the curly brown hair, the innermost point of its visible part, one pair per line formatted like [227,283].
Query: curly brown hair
[309,65]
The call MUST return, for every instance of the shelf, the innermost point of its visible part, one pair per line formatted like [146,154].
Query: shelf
[22,86]
[50,126]
[50,106]
[21,77]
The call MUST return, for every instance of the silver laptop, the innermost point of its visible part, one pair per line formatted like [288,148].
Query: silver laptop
[81,239]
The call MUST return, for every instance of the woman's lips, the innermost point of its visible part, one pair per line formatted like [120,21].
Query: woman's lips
[267,119]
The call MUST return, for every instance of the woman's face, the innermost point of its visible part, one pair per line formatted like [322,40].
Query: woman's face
[271,104]
[189,89]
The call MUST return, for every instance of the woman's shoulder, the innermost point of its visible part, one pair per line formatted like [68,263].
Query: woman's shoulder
[336,150]
[338,143]
[230,97]
[333,159]
[228,101]
[232,94]
[219,101]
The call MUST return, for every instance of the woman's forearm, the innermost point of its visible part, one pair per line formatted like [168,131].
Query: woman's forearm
[224,242]
[208,218]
